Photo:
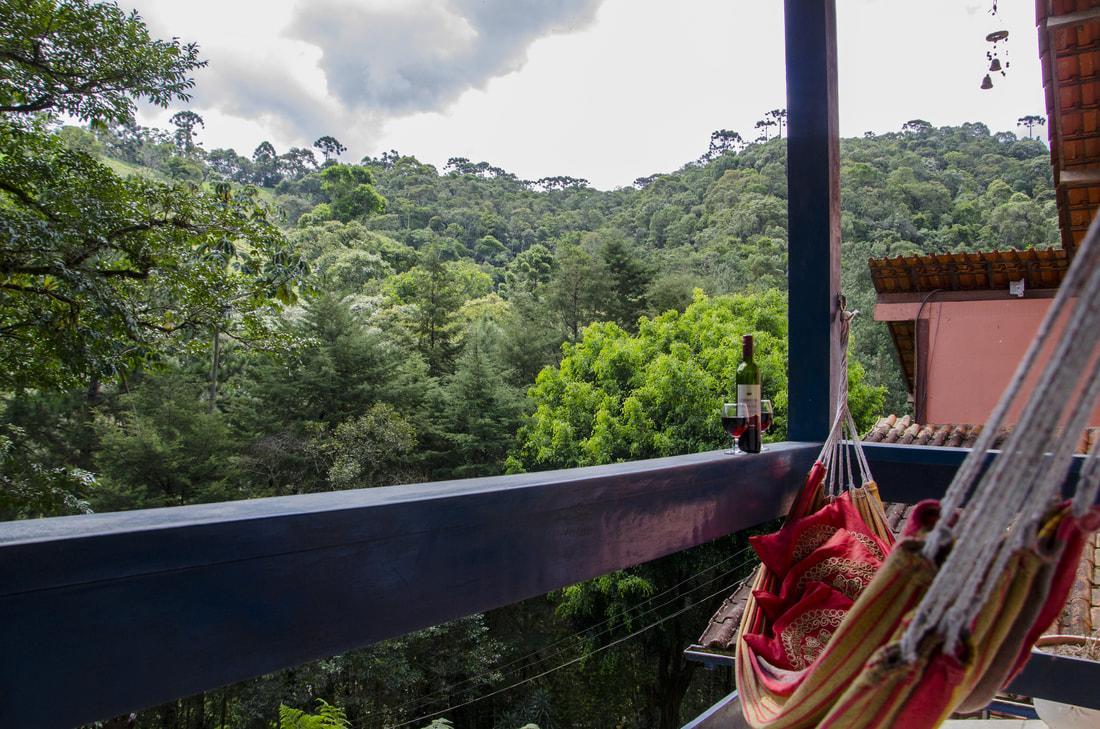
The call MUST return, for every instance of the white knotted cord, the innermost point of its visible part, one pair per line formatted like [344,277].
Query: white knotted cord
[1006,503]
[835,454]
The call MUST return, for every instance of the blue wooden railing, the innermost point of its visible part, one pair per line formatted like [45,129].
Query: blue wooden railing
[108,613]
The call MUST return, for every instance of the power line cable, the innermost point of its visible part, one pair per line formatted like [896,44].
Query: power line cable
[578,659]
[425,700]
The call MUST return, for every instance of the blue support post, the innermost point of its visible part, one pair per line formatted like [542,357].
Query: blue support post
[813,199]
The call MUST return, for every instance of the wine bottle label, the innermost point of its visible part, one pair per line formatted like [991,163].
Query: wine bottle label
[749,396]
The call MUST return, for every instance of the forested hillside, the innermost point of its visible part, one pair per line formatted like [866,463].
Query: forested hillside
[718,224]
[184,325]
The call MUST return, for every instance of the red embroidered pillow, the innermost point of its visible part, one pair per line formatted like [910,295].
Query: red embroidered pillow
[773,606]
[795,541]
[847,562]
[802,632]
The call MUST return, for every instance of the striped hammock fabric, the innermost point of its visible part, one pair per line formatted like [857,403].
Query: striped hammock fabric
[860,679]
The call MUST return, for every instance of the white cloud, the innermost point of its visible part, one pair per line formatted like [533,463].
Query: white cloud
[421,55]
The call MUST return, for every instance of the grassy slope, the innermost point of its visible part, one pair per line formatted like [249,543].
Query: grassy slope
[125,169]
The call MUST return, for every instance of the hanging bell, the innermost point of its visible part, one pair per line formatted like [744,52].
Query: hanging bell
[996,65]
[987,83]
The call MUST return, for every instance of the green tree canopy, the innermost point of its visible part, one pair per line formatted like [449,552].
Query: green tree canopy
[617,396]
[481,410]
[90,60]
[351,192]
[327,717]
[96,271]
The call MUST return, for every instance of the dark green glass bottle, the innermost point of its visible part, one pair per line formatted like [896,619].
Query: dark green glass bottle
[748,396]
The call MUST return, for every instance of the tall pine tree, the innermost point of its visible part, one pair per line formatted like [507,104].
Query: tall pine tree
[482,409]
[627,277]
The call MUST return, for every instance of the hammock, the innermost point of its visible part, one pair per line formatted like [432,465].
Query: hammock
[950,615]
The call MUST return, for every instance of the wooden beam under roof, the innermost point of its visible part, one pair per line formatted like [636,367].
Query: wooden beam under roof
[1076,177]
[1054,22]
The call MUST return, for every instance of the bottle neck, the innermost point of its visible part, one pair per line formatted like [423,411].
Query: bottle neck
[746,349]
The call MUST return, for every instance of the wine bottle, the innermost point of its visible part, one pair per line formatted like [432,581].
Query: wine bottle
[748,394]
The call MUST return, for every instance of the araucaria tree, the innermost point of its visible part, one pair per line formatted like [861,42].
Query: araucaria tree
[722,141]
[1031,121]
[330,147]
[185,123]
[764,125]
[779,116]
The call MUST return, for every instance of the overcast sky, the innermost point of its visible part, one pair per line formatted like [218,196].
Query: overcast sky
[609,90]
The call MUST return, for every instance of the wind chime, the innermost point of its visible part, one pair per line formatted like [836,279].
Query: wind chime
[993,55]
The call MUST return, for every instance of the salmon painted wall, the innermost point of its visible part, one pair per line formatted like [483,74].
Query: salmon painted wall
[969,351]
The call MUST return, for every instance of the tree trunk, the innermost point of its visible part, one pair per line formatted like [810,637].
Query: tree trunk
[215,365]
[673,679]
[93,393]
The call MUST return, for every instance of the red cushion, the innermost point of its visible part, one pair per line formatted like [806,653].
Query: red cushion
[802,632]
[771,605]
[781,550]
[846,562]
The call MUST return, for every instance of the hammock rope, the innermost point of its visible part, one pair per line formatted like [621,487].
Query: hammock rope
[835,455]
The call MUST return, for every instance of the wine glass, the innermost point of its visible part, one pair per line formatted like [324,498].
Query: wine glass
[735,419]
[766,417]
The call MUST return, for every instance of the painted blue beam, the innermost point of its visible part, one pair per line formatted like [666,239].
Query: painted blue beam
[813,215]
[895,466]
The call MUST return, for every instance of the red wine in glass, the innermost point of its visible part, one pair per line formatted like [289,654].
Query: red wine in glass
[735,425]
[766,418]
[735,420]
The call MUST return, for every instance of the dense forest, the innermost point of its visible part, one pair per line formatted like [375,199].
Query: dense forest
[183,325]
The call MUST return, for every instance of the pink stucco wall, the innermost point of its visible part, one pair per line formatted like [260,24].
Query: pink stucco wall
[969,352]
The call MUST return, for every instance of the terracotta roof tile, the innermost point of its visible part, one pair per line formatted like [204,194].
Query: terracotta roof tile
[892,429]
[1069,49]
[721,630]
[1041,268]
[902,430]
